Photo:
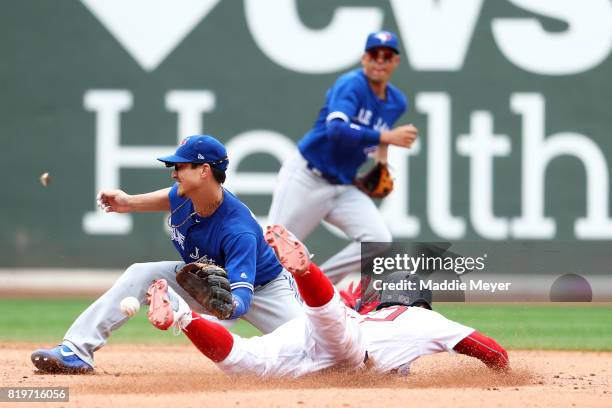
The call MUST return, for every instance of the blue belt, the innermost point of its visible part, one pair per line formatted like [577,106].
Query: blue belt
[261,285]
[330,179]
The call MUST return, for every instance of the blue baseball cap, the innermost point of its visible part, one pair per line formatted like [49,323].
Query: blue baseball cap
[382,39]
[199,149]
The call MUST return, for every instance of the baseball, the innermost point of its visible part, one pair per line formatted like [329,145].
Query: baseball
[45,179]
[129,306]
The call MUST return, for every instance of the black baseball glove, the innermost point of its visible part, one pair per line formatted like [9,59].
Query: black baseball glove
[208,284]
[377,182]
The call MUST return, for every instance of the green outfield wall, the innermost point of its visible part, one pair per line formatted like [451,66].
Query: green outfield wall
[512,97]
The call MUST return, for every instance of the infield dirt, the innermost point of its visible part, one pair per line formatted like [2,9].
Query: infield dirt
[147,376]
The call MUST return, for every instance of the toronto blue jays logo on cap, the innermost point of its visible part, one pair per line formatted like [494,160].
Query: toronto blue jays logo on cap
[384,36]
[382,39]
[199,149]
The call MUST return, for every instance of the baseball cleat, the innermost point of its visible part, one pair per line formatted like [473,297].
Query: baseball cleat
[291,253]
[166,308]
[59,360]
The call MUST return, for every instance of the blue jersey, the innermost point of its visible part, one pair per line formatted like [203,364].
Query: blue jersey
[230,238]
[351,100]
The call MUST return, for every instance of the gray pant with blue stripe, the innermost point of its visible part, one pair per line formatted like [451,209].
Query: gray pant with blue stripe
[273,304]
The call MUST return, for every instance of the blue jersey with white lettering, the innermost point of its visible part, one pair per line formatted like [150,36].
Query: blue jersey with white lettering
[351,100]
[230,238]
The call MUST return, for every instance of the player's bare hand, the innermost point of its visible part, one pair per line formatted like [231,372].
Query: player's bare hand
[113,201]
[402,136]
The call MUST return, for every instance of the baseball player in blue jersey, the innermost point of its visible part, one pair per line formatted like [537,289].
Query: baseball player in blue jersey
[208,225]
[317,184]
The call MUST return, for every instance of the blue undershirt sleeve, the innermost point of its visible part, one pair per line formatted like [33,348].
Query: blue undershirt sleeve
[240,264]
[351,134]
[242,300]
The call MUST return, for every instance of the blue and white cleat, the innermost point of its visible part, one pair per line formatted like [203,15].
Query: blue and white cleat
[59,360]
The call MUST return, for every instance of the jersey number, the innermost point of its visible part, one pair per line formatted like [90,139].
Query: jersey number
[388,314]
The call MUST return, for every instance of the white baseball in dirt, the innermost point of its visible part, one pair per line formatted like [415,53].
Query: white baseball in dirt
[129,306]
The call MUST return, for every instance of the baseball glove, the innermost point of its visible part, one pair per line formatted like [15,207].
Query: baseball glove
[364,302]
[377,182]
[208,284]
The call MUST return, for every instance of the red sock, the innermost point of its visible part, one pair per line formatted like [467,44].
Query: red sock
[485,349]
[212,339]
[315,288]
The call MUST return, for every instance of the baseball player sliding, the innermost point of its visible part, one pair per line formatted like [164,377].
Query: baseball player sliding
[208,225]
[329,334]
[318,183]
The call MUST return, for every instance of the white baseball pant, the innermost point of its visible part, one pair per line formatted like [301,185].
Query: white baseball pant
[326,336]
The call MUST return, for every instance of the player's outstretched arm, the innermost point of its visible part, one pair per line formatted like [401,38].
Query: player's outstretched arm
[121,202]
[485,349]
